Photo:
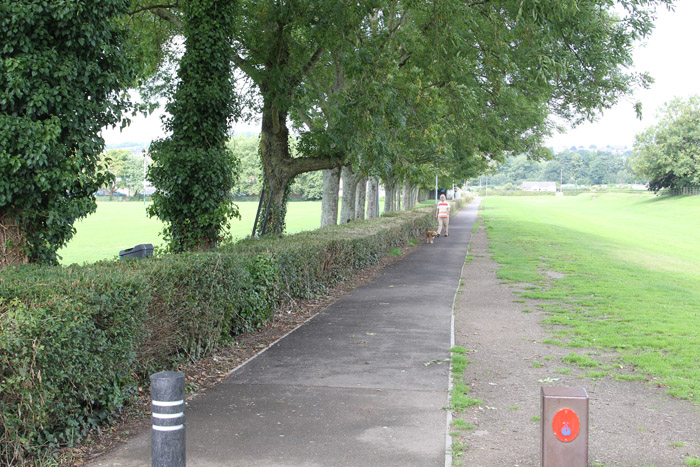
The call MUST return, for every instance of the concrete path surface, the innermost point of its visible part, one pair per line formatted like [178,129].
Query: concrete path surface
[364,383]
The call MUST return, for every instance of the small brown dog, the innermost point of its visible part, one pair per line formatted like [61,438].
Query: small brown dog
[430,235]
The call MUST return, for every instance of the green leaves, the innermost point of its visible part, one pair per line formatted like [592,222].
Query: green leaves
[668,154]
[59,342]
[193,170]
[61,67]
[123,169]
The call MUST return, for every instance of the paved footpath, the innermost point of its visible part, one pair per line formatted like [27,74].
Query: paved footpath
[364,383]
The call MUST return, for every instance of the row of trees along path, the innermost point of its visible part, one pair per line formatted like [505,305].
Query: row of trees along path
[387,89]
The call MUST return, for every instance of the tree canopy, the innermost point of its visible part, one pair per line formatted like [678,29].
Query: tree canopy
[392,88]
[668,154]
[64,69]
[578,167]
[126,171]
[402,89]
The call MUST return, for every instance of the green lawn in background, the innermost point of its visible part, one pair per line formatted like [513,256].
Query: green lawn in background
[118,225]
[616,271]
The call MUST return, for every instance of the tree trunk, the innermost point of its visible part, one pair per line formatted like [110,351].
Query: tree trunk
[360,198]
[274,206]
[347,208]
[410,196]
[372,201]
[274,154]
[389,196]
[397,192]
[329,203]
[279,168]
[11,243]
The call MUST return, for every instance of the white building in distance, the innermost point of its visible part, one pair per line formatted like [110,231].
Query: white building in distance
[540,186]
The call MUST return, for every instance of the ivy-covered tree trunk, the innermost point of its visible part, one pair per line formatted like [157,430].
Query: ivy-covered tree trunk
[329,202]
[360,198]
[62,67]
[193,170]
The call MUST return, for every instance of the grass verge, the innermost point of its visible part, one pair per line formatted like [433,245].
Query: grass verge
[618,272]
[459,401]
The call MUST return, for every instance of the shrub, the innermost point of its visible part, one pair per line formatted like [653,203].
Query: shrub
[67,347]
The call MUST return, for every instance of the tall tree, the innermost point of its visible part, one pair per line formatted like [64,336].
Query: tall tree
[193,169]
[277,44]
[350,180]
[668,154]
[62,66]
[459,84]
[372,198]
[360,198]
[495,71]
[126,170]
[329,201]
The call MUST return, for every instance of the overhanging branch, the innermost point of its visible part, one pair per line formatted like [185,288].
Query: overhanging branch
[247,68]
[163,12]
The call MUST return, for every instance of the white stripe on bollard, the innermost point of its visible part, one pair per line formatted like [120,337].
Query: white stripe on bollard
[167,403]
[167,428]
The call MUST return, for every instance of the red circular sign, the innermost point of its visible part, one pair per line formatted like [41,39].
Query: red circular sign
[566,425]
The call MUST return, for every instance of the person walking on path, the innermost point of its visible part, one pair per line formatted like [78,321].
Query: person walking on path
[443,216]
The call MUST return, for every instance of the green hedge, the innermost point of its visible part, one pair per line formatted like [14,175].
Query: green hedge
[76,341]
[66,353]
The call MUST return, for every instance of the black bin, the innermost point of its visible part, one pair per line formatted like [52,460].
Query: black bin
[139,251]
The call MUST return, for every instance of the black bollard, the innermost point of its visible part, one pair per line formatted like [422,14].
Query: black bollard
[168,419]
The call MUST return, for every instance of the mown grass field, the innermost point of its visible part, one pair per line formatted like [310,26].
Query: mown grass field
[119,225]
[615,271]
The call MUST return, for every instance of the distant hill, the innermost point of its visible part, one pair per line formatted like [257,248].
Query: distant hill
[245,133]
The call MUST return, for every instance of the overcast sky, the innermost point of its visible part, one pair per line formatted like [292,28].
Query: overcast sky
[669,55]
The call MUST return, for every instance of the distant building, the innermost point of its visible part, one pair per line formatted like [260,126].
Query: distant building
[540,186]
